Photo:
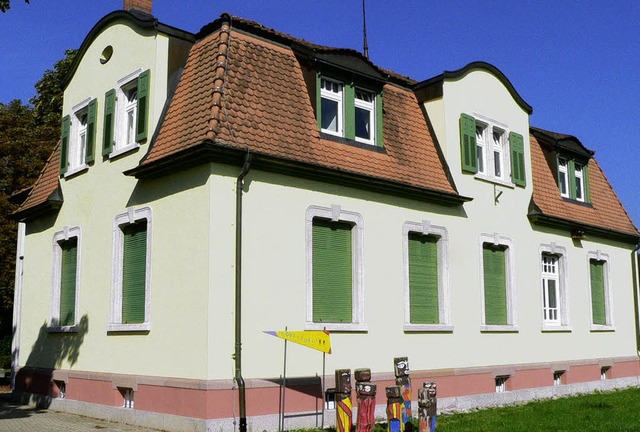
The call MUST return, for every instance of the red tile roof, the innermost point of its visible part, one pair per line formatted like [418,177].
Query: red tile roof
[605,212]
[45,193]
[267,109]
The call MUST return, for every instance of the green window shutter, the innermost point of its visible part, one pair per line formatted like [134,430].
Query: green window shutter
[64,146]
[332,272]
[379,120]
[143,106]
[571,173]
[92,111]
[349,96]
[69,267]
[109,121]
[468,150]
[319,99]
[585,180]
[423,279]
[518,172]
[495,285]
[134,273]
[598,306]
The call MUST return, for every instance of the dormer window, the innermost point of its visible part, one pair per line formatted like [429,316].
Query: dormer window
[348,111]
[487,153]
[573,179]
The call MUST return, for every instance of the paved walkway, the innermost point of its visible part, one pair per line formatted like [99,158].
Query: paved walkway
[23,418]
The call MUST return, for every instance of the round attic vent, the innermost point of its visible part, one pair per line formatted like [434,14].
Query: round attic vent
[106,54]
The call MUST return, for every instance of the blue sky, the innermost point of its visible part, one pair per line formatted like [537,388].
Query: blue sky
[576,62]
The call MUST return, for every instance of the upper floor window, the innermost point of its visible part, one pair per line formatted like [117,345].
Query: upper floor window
[126,114]
[349,112]
[486,151]
[573,179]
[78,137]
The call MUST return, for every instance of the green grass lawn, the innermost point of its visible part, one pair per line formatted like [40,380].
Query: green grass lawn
[611,411]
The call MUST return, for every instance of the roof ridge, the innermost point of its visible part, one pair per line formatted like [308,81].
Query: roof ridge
[219,80]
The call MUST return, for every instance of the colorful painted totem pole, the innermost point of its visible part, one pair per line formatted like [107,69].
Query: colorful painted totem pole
[427,407]
[344,407]
[366,393]
[394,409]
[401,368]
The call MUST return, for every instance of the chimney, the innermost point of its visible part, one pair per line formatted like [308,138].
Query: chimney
[141,5]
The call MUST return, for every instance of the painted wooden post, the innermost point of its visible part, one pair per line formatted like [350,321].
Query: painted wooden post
[427,407]
[366,392]
[344,407]
[401,369]
[394,409]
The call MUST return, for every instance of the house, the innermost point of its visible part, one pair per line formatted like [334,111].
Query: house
[210,187]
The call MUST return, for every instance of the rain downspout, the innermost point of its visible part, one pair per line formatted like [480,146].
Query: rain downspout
[238,312]
[636,306]
[17,304]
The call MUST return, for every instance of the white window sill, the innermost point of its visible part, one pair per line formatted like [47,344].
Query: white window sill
[556,328]
[602,328]
[142,327]
[364,141]
[337,327]
[76,170]
[123,150]
[495,180]
[62,329]
[443,328]
[499,328]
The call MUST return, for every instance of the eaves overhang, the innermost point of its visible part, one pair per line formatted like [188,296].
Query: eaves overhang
[432,88]
[139,19]
[209,151]
[53,202]
[562,142]
[572,226]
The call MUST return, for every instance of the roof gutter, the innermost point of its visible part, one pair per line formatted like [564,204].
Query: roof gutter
[238,296]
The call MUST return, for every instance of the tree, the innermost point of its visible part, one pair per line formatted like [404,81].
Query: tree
[28,134]
[5,5]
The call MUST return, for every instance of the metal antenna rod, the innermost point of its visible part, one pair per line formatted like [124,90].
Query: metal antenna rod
[364,29]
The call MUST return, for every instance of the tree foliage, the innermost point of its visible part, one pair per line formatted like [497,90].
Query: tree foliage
[28,134]
[5,5]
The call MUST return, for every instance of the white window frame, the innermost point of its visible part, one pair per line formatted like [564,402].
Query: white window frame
[496,239]
[337,214]
[64,235]
[563,322]
[120,221]
[76,154]
[608,301]
[122,107]
[578,174]
[444,296]
[563,171]
[486,150]
[335,97]
[371,108]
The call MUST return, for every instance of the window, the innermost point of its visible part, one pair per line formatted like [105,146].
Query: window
[349,111]
[605,371]
[426,291]
[555,314]
[573,179]
[126,114]
[78,138]
[601,316]
[130,290]
[498,313]
[558,378]
[501,383]
[127,397]
[486,152]
[334,269]
[66,278]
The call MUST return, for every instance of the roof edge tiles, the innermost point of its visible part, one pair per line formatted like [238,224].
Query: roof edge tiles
[219,152]
[560,141]
[432,88]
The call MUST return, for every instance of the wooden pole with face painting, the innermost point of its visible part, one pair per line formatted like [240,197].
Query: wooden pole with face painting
[427,407]
[394,409]
[401,369]
[366,393]
[344,406]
